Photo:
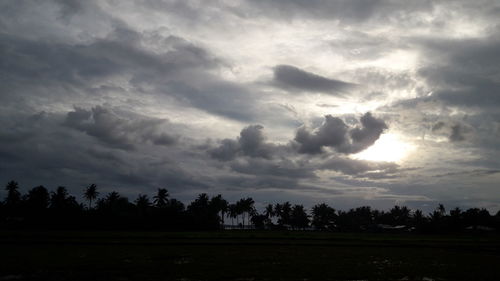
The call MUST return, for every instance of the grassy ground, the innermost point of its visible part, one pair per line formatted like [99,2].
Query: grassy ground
[246,255]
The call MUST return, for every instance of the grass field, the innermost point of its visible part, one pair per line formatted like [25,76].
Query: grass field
[246,255]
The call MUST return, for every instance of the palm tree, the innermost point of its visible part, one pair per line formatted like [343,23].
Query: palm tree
[245,207]
[239,211]
[142,202]
[112,197]
[299,218]
[91,194]
[58,198]
[286,210]
[233,213]
[13,194]
[323,217]
[38,198]
[248,208]
[220,205]
[161,198]
[62,201]
[269,211]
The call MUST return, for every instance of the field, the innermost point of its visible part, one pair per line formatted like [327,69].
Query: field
[246,255]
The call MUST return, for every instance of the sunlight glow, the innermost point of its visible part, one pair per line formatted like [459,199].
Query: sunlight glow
[388,148]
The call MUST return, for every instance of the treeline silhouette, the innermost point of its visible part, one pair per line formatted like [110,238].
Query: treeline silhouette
[40,208]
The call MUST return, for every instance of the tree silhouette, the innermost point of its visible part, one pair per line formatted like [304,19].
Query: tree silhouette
[245,207]
[220,205]
[399,215]
[13,194]
[176,206]
[269,211]
[61,200]
[202,214]
[233,213]
[59,209]
[299,218]
[283,211]
[142,203]
[324,217]
[161,198]
[38,198]
[239,208]
[91,194]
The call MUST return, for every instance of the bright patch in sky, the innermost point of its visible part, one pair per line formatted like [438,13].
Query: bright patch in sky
[388,148]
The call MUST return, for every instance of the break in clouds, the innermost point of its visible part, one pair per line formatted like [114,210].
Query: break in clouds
[345,102]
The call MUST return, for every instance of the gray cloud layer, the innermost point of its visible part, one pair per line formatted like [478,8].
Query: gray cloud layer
[288,76]
[131,94]
[334,133]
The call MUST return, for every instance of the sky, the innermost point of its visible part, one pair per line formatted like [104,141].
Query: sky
[347,102]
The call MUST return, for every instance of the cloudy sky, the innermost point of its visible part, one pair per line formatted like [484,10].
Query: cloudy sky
[347,102]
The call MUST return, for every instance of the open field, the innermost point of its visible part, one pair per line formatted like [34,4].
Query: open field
[246,255]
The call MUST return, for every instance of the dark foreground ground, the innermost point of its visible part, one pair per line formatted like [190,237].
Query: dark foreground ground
[246,255]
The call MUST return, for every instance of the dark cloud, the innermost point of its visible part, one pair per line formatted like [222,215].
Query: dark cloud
[437,126]
[47,153]
[119,131]
[181,70]
[457,133]
[366,135]
[251,142]
[288,76]
[346,11]
[466,74]
[334,133]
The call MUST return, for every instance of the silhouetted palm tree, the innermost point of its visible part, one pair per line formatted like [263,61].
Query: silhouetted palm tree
[142,202]
[239,208]
[58,198]
[299,218]
[284,211]
[220,205]
[323,217]
[91,194]
[269,211]
[249,208]
[245,207]
[112,197]
[399,215]
[38,198]
[233,213]
[62,202]
[13,194]
[161,198]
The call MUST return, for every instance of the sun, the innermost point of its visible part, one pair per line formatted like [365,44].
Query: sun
[388,148]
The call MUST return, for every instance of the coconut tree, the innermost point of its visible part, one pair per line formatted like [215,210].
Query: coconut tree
[269,211]
[142,203]
[38,198]
[91,194]
[220,205]
[13,194]
[299,218]
[323,216]
[239,208]
[161,198]
[233,213]
[248,208]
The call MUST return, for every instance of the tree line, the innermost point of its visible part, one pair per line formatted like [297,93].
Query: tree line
[41,208]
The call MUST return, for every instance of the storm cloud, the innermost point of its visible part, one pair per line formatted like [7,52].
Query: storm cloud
[335,134]
[251,142]
[351,102]
[107,126]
